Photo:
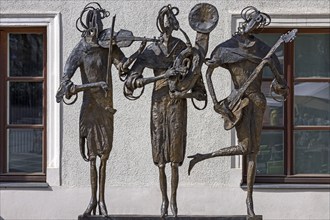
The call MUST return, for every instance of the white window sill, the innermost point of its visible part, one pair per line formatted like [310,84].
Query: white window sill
[287,186]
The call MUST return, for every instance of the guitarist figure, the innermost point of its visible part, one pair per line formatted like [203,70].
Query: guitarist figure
[241,56]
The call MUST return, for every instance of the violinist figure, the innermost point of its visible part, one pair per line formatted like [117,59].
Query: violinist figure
[241,56]
[96,115]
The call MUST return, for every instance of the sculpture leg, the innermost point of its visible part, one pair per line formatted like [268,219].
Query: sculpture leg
[241,149]
[174,187]
[93,202]
[102,207]
[251,172]
[163,189]
[259,105]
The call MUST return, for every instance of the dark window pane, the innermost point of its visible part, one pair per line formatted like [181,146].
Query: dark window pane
[270,40]
[274,111]
[270,158]
[25,102]
[25,54]
[311,101]
[25,150]
[312,150]
[312,55]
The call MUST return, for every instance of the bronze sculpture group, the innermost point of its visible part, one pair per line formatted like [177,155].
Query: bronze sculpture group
[177,77]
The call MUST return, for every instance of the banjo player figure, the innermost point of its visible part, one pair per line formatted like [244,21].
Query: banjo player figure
[241,56]
[177,69]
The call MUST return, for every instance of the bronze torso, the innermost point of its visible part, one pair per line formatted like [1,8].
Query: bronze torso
[96,115]
[168,115]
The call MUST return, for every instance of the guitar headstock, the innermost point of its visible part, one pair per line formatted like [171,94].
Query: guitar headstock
[290,36]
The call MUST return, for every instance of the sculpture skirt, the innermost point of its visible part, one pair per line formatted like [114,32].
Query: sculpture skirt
[168,130]
[96,125]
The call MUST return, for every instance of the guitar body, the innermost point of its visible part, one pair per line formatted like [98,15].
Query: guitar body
[231,116]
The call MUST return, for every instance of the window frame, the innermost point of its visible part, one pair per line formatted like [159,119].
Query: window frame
[288,120]
[5,125]
[51,20]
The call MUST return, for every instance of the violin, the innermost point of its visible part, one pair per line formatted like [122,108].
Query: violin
[122,38]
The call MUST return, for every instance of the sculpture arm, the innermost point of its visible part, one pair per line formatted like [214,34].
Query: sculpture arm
[122,63]
[147,59]
[210,86]
[72,63]
[279,84]
[276,69]
[136,80]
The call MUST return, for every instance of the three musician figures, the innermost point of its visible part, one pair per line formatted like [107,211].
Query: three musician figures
[177,77]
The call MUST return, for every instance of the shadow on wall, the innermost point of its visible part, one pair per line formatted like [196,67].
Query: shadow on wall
[1,218]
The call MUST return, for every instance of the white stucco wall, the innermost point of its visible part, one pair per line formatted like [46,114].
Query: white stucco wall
[132,179]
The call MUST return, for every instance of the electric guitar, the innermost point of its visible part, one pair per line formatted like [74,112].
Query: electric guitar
[231,107]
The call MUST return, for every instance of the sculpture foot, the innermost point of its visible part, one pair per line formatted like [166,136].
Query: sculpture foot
[249,205]
[174,208]
[103,209]
[91,207]
[196,159]
[164,208]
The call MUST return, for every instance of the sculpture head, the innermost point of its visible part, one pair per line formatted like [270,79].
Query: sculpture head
[253,20]
[166,20]
[93,22]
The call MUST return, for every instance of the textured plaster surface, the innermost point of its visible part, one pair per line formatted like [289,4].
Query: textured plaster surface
[130,165]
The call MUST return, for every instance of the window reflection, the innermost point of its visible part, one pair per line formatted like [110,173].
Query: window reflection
[312,55]
[311,150]
[311,102]
[25,150]
[26,54]
[270,158]
[270,40]
[25,102]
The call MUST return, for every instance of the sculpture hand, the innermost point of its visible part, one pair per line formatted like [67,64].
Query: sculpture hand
[123,68]
[170,73]
[200,96]
[197,158]
[64,90]
[104,86]
[218,108]
[280,88]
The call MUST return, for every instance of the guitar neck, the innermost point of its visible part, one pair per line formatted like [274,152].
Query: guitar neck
[254,74]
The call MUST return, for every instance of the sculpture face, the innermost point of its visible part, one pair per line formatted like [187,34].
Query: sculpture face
[253,24]
[166,20]
[94,23]
[171,23]
[253,19]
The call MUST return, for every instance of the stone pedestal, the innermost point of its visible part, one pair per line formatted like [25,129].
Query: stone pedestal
[140,217]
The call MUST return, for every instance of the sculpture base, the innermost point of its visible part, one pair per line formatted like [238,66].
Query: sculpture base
[183,217]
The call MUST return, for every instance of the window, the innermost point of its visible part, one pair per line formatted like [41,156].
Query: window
[295,145]
[23,87]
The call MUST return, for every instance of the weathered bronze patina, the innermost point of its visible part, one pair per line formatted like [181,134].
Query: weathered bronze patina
[244,56]
[94,55]
[177,69]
